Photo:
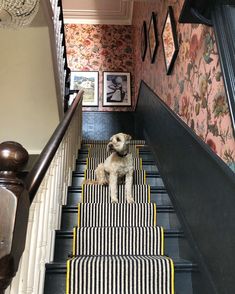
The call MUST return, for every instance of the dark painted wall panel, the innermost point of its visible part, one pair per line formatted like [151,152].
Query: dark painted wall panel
[102,125]
[201,186]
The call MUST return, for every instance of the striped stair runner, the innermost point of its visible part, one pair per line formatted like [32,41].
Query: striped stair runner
[102,152]
[92,163]
[118,247]
[98,193]
[139,176]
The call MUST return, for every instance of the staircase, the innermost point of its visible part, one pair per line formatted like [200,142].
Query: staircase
[150,228]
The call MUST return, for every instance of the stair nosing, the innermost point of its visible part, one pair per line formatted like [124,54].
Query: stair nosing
[180,265]
[167,233]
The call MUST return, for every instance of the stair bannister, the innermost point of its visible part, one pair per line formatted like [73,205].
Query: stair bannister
[35,205]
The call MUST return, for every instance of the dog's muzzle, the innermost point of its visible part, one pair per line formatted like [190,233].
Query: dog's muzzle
[110,147]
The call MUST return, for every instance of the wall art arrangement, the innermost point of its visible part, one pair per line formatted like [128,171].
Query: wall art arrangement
[153,37]
[169,41]
[143,40]
[116,89]
[89,82]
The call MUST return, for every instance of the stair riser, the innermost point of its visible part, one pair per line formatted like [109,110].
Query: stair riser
[56,282]
[153,181]
[164,219]
[144,156]
[158,198]
[81,166]
[173,247]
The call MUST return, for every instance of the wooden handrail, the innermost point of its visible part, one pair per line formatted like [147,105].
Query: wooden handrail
[36,175]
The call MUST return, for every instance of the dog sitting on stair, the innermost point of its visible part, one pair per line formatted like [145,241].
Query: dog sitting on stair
[118,165]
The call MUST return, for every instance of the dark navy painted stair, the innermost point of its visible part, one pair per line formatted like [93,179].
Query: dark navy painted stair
[176,245]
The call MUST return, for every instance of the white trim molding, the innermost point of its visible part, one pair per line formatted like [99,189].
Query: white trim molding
[117,12]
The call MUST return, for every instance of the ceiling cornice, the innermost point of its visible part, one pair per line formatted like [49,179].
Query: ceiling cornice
[118,12]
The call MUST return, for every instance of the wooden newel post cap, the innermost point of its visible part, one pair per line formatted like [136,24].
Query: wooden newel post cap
[13,156]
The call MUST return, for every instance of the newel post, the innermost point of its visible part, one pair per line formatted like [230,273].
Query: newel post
[14,210]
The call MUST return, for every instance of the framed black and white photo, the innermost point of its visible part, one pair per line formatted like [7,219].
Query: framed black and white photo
[88,81]
[153,37]
[117,89]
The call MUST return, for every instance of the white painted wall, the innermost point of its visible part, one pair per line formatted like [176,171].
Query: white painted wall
[28,104]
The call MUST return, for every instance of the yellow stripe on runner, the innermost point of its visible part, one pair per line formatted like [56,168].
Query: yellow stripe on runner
[74,240]
[162,242]
[172,276]
[155,215]
[149,197]
[67,276]
[82,193]
[79,215]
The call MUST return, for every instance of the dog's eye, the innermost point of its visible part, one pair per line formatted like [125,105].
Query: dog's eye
[118,139]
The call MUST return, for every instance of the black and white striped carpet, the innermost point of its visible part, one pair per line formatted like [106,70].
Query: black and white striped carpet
[118,247]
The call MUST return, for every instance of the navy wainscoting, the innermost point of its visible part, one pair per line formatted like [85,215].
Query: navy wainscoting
[201,187]
[102,125]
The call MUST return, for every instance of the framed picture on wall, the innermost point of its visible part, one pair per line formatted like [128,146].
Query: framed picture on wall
[143,40]
[88,81]
[153,37]
[169,41]
[117,89]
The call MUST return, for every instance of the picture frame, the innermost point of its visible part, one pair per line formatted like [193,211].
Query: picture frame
[143,40]
[153,37]
[116,89]
[88,81]
[169,41]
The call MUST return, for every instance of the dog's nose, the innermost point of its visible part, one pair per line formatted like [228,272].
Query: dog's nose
[110,145]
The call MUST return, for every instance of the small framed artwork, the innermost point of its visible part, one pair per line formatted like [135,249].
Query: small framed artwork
[143,40]
[153,37]
[117,89]
[88,81]
[169,41]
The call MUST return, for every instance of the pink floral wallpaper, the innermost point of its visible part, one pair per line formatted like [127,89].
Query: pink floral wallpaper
[195,88]
[100,48]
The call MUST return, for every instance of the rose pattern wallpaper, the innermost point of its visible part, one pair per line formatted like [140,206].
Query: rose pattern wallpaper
[100,48]
[195,88]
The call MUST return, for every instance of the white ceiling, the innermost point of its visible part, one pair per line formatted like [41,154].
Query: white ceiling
[98,11]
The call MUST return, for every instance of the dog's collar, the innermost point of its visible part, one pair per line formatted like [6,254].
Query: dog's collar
[121,155]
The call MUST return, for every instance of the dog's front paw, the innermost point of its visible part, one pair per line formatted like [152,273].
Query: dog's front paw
[104,183]
[130,200]
[114,200]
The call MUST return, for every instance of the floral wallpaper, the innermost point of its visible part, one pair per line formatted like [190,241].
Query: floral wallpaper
[195,88]
[100,48]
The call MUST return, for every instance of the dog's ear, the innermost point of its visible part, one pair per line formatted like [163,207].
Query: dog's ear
[128,137]
[111,138]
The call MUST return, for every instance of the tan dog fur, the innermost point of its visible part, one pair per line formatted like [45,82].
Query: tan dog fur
[117,165]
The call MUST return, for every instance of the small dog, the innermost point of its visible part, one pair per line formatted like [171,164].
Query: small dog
[116,166]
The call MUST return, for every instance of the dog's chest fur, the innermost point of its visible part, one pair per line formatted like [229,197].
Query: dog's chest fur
[119,165]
